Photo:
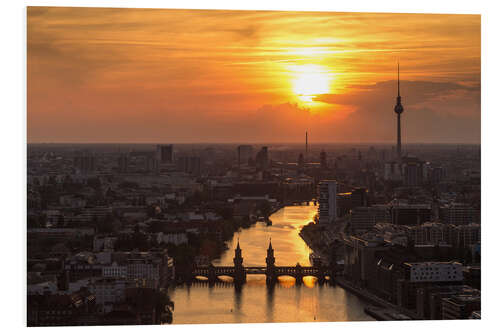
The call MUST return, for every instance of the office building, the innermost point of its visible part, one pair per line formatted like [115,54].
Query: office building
[327,210]
[165,154]
[245,153]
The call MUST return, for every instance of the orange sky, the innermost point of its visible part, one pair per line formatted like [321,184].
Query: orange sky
[140,75]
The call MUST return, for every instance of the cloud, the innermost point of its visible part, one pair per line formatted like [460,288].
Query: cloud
[434,111]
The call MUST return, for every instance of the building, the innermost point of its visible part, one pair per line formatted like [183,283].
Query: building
[245,153]
[410,214]
[429,299]
[165,154]
[189,164]
[459,214]
[123,163]
[430,233]
[434,271]
[262,159]
[327,209]
[460,306]
[419,275]
[359,197]
[84,163]
[361,258]
[364,218]
[413,171]
[323,160]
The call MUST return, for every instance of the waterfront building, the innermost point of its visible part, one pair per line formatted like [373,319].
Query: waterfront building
[361,257]
[327,210]
[460,306]
[423,274]
[429,299]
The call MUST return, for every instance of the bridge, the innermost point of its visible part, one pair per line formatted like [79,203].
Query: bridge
[239,272]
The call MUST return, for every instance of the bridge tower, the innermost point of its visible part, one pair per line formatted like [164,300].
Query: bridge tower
[240,275]
[298,274]
[270,267]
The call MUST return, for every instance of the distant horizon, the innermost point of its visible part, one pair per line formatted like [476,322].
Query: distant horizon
[250,143]
[108,75]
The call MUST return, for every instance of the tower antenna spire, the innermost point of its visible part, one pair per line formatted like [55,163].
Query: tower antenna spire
[398,78]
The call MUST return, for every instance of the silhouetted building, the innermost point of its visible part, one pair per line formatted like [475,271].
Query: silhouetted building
[189,164]
[327,201]
[165,153]
[359,197]
[459,214]
[245,153]
[123,163]
[410,214]
[364,218]
[262,159]
[413,171]
[85,162]
[323,160]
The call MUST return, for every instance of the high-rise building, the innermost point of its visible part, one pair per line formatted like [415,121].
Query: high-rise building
[327,201]
[300,163]
[413,174]
[84,162]
[189,164]
[165,153]
[245,152]
[323,160]
[359,197]
[262,159]
[122,163]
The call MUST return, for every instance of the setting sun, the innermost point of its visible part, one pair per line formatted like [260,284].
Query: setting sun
[310,80]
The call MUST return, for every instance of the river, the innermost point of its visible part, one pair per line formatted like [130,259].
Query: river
[255,302]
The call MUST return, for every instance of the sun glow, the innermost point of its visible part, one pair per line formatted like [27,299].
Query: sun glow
[310,80]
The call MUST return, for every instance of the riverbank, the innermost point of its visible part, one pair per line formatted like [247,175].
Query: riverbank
[386,310]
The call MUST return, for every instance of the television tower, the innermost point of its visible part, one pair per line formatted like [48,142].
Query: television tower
[399,109]
[306,147]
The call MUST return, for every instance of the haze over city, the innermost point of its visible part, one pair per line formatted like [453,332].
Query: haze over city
[140,75]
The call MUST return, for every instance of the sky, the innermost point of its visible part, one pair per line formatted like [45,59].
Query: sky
[195,76]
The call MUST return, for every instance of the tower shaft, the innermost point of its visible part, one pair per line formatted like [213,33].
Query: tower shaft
[399,136]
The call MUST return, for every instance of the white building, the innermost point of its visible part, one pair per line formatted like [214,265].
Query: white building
[327,210]
[435,271]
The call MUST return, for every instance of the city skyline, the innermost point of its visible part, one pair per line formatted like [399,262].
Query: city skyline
[127,76]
